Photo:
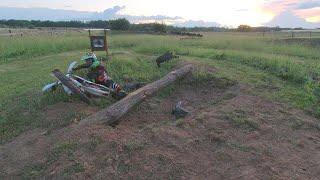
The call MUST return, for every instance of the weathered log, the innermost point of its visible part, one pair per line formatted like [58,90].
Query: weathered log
[112,114]
[68,83]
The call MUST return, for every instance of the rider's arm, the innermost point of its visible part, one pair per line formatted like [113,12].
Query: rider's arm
[82,66]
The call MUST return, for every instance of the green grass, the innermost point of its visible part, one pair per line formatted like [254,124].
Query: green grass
[27,47]
[21,82]
[276,71]
[134,145]
[240,119]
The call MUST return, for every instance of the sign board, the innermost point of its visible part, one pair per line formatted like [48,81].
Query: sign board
[98,42]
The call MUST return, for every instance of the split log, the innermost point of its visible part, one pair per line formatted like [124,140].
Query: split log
[68,83]
[112,114]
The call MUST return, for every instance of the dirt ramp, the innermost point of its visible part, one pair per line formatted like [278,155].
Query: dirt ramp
[227,135]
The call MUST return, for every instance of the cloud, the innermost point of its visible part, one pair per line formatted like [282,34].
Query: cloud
[146,19]
[289,20]
[191,23]
[278,6]
[308,13]
[294,13]
[242,10]
[58,14]
[115,13]
[42,14]
[110,13]
[308,5]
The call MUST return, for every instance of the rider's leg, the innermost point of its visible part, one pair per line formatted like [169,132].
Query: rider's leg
[111,84]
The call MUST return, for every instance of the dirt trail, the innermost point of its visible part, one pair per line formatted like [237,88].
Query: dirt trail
[228,135]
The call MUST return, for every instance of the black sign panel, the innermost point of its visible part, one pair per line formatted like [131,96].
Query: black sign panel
[98,43]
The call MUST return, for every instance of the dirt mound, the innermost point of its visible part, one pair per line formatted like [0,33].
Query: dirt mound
[58,115]
[228,134]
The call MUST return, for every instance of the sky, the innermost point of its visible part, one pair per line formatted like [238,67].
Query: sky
[224,12]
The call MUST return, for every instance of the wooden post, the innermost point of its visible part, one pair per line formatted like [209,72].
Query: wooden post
[90,40]
[106,42]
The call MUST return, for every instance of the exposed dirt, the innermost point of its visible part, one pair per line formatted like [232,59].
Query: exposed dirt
[59,115]
[227,135]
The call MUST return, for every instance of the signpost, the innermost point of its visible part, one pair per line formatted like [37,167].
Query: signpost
[98,42]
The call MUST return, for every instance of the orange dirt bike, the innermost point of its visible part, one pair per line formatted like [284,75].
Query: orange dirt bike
[73,84]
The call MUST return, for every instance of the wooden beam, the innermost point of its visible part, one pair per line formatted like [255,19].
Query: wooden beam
[68,83]
[112,114]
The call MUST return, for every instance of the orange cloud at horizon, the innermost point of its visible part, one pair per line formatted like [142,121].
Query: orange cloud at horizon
[311,15]
[276,7]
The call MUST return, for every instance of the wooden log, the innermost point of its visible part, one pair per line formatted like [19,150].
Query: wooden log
[112,114]
[68,83]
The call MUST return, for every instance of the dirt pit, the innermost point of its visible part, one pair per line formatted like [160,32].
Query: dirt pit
[227,135]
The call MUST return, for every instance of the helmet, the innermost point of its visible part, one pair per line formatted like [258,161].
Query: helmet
[89,55]
[93,58]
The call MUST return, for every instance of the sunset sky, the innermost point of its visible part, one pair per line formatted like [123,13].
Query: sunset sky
[226,12]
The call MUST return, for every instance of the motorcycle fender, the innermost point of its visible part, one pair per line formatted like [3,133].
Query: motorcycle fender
[67,90]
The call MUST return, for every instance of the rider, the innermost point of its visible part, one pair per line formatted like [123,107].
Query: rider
[97,73]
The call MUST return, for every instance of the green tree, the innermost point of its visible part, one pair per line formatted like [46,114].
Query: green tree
[157,27]
[119,24]
[244,28]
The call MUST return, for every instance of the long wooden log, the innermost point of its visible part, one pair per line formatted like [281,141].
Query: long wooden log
[112,114]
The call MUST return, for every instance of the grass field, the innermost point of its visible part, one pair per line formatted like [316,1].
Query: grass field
[276,70]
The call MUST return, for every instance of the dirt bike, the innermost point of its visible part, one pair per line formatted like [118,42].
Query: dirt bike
[73,84]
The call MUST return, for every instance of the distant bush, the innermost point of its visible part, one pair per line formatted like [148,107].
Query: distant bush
[244,28]
[162,28]
[119,24]
[186,34]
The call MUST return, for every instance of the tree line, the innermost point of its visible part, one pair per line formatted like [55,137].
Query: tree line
[117,24]
[124,25]
[247,28]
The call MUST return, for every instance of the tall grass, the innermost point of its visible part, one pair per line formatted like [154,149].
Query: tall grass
[218,41]
[290,62]
[32,46]
[294,63]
